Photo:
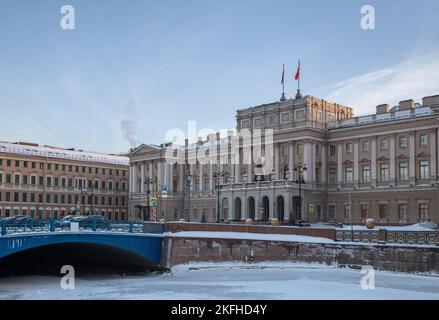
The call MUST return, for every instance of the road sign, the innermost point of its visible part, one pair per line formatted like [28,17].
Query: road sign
[311,208]
[153,202]
[164,188]
[164,196]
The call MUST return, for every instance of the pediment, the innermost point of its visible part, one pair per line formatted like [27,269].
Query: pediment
[383,158]
[144,149]
[423,155]
[403,157]
[347,162]
[364,160]
[332,163]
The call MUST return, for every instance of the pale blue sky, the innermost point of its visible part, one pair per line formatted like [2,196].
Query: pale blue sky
[158,64]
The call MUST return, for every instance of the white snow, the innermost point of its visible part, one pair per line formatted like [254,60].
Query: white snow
[53,152]
[413,227]
[248,236]
[228,281]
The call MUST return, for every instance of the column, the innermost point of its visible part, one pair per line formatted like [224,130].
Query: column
[250,167]
[211,186]
[142,178]
[159,175]
[412,164]
[433,146]
[392,157]
[130,184]
[135,178]
[237,168]
[340,163]
[307,159]
[373,156]
[323,154]
[356,163]
[276,162]
[166,174]
[181,178]
[200,176]
[291,160]
[150,173]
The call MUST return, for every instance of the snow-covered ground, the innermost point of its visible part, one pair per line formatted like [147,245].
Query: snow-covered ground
[230,281]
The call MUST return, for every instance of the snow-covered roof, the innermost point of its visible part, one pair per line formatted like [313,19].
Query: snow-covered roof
[59,153]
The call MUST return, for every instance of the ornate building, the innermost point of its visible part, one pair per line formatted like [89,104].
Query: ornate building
[327,165]
[43,181]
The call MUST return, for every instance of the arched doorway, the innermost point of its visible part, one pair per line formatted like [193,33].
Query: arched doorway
[297,212]
[251,212]
[224,209]
[237,209]
[265,214]
[280,208]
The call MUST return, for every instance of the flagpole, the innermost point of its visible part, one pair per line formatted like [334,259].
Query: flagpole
[298,94]
[282,98]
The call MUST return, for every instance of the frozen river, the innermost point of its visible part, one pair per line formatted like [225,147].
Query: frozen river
[230,281]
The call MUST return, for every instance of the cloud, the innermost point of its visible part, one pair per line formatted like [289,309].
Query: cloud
[414,78]
[128,126]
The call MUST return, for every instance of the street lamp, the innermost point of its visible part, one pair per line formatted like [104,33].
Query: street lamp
[148,193]
[300,168]
[90,195]
[189,183]
[217,180]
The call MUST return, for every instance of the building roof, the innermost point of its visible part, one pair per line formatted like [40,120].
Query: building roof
[60,153]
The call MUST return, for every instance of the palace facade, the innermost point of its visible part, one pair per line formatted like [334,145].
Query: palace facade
[329,166]
[44,182]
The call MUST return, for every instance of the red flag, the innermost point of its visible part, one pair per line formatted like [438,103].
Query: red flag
[298,72]
[283,74]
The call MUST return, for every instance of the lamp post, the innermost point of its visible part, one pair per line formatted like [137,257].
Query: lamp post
[300,168]
[189,183]
[218,175]
[90,195]
[148,193]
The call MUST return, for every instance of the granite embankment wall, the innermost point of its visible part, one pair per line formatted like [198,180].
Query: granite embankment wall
[402,258]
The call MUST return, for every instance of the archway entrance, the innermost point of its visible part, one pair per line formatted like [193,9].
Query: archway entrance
[224,209]
[265,214]
[280,208]
[237,209]
[297,212]
[251,208]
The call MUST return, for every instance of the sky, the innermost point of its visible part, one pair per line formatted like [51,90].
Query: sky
[131,70]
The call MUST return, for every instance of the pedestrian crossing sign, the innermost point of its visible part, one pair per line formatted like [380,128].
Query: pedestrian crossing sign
[153,202]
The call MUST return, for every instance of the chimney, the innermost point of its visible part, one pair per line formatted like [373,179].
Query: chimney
[406,105]
[382,108]
[430,101]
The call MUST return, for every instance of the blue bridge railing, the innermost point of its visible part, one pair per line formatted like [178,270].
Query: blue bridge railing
[52,225]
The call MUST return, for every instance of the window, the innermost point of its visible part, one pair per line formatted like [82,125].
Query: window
[332,150]
[403,171]
[331,212]
[365,173]
[349,177]
[383,211]
[384,144]
[423,211]
[423,169]
[384,172]
[63,182]
[245,124]
[16,197]
[258,122]
[41,165]
[317,149]
[25,164]
[17,163]
[49,166]
[348,148]
[300,115]
[284,117]
[34,165]
[300,149]
[49,181]
[285,151]
[347,211]
[402,211]
[364,209]
[332,175]
[32,197]
[403,142]
[8,178]
[33,180]
[17,179]
[8,163]
[25,180]
[423,140]
[365,146]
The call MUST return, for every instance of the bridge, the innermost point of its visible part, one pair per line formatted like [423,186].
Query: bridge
[120,245]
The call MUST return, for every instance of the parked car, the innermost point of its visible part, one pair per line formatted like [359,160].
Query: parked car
[14,219]
[66,220]
[87,221]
